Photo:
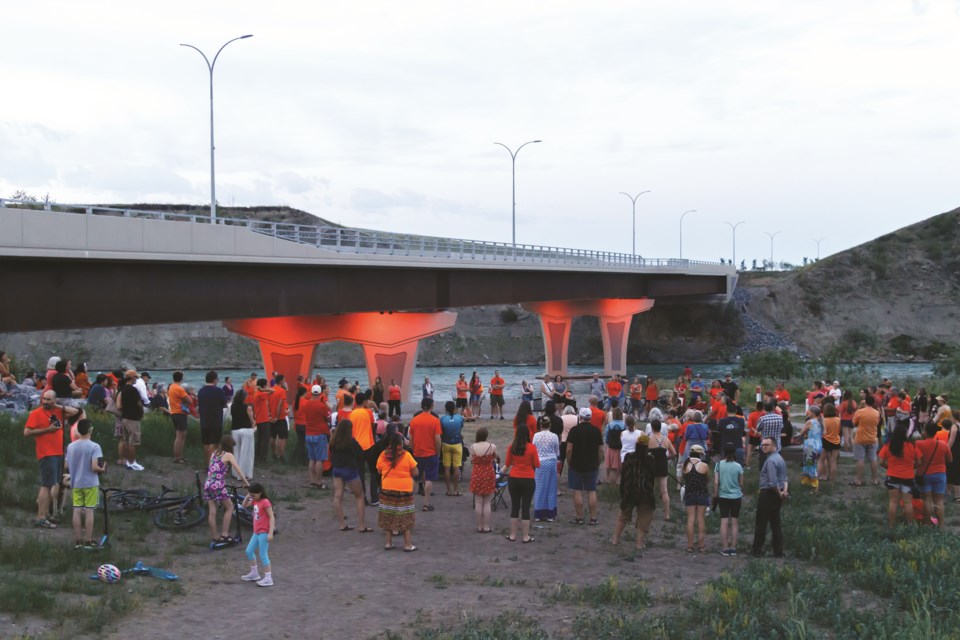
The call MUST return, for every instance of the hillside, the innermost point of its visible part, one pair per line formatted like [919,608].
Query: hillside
[891,298]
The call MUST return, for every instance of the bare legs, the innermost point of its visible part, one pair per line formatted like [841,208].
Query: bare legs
[212,518]
[696,517]
[483,512]
[357,490]
[664,497]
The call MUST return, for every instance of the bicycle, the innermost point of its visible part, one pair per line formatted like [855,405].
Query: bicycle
[241,515]
[171,511]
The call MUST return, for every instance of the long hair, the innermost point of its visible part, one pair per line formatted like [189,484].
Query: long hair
[301,391]
[226,443]
[523,412]
[256,487]
[394,450]
[520,439]
[897,438]
[342,435]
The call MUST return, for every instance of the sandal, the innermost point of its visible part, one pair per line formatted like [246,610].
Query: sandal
[689,549]
[486,531]
[528,540]
[510,539]
[411,549]
[387,547]
[702,550]
[364,530]
[594,522]
[44,524]
[855,484]
[346,527]
[428,507]
[576,521]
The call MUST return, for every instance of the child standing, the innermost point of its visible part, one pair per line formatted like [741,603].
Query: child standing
[215,488]
[264,523]
[85,463]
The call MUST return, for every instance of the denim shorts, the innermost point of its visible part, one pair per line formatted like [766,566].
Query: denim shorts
[347,474]
[935,483]
[316,447]
[865,451]
[582,481]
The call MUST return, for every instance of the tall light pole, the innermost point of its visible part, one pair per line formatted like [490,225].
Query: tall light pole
[210,65]
[682,216]
[733,227]
[818,241]
[772,236]
[633,199]
[513,159]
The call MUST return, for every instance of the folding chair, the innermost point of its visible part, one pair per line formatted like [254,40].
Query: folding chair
[501,487]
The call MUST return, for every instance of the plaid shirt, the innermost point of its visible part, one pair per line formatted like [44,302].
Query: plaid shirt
[770,425]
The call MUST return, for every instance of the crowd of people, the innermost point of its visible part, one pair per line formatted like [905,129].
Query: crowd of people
[629,433]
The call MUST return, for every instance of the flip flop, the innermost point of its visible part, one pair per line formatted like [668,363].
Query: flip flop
[428,507]
[576,520]
[388,547]
[346,528]
[528,540]
[410,550]
[594,522]
[364,530]
[510,539]
[486,531]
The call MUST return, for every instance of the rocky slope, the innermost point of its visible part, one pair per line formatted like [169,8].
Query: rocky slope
[892,298]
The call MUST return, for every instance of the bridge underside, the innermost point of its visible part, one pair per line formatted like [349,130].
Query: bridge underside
[40,294]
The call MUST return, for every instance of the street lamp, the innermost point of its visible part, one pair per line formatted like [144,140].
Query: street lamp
[772,236]
[733,227]
[210,65]
[513,159]
[633,199]
[682,216]
[818,241]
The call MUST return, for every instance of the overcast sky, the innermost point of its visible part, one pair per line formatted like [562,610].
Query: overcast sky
[834,119]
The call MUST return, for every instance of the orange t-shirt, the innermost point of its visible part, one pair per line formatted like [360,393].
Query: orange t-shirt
[719,410]
[362,427]
[175,396]
[463,389]
[934,452]
[496,386]
[847,409]
[781,395]
[597,416]
[250,386]
[340,394]
[424,431]
[752,423]
[261,410]
[531,426]
[652,392]
[636,391]
[614,388]
[866,421]
[278,403]
[48,444]
[393,392]
[398,477]
[902,467]
[523,466]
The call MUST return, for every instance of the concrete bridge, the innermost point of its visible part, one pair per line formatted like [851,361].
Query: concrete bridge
[291,287]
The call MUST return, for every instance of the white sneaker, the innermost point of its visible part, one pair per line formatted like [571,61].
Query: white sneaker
[135,466]
[253,576]
[266,582]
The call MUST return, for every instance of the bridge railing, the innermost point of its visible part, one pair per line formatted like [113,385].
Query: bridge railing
[366,241]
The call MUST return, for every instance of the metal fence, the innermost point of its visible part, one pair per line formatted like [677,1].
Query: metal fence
[366,241]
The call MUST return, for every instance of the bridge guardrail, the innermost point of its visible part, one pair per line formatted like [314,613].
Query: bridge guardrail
[366,241]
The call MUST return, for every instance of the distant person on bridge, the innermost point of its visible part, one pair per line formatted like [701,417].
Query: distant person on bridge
[496,395]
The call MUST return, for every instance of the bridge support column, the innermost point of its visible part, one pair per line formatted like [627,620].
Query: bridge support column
[390,340]
[556,318]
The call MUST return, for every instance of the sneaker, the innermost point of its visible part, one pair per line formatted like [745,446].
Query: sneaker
[135,466]
[93,545]
[253,576]
[733,552]
[725,552]
[375,504]
[266,582]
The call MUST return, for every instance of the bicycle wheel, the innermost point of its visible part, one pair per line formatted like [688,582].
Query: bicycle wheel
[132,500]
[185,515]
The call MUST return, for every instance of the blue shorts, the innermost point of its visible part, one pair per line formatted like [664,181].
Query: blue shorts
[428,467]
[347,474]
[316,447]
[935,483]
[696,501]
[578,481]
[51,471]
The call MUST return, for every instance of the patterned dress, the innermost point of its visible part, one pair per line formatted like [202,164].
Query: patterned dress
[545,494]
[483,480]
[812,448]
[215,488]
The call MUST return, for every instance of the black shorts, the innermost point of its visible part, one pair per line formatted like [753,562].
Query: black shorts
[829,446]
[211,436]
[179,421]
[729,507]
[51,471]
[495,400]
[461,403]
[279,429]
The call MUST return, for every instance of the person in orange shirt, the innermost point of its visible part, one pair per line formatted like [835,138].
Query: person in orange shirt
[867,423]
[279,429]
[525,417]
[176,395]
[393,399]
[614,390]
[597,415]
[521,463]
[263,418]
[496,396]
[934,456]
[361,416]
[636,397]
[425,432]
[650,395]
[780,394]
[45,425]
[754,436]
[397,469]
[342,392]
[681,389]
[463,393]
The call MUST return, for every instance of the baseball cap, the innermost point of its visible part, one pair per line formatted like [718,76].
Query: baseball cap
[585,413]
[696,448]
[316,390]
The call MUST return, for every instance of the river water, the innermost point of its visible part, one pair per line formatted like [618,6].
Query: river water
[444,378]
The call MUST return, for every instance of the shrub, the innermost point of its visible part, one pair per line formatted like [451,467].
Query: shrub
[771,365]
[508,315]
